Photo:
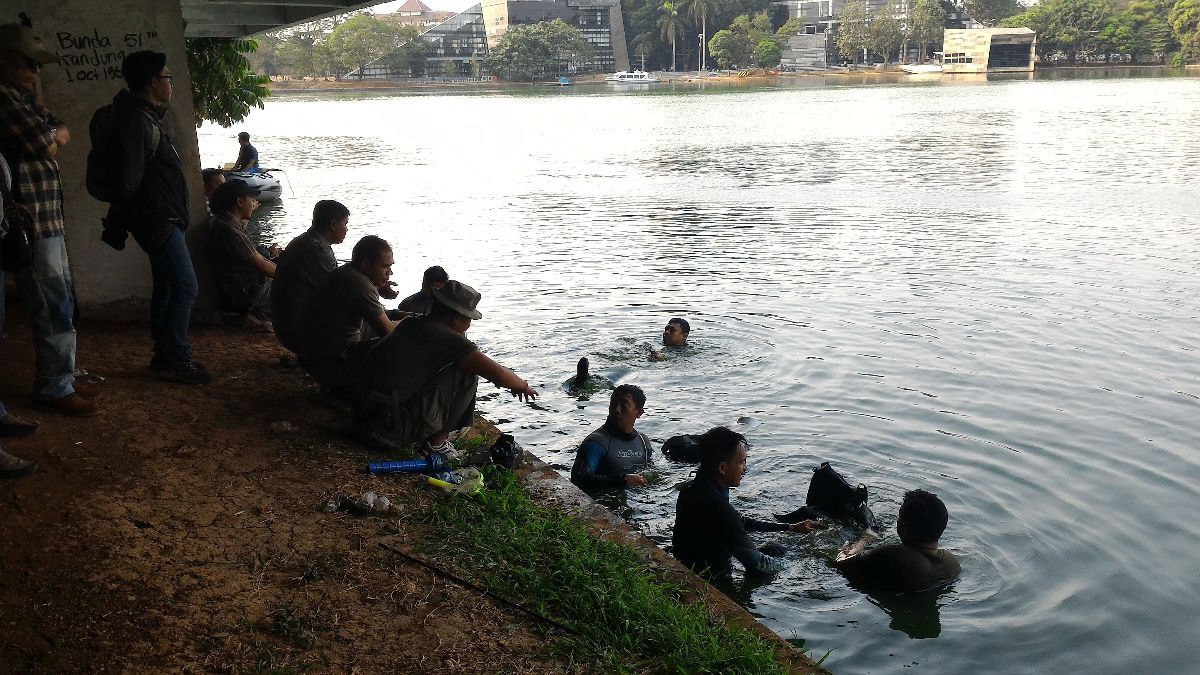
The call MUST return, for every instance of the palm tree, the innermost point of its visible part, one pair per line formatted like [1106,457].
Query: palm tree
[700,9]
[671,24]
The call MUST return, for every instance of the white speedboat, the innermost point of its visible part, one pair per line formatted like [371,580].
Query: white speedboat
[269,189]
[924,68]
[635,77]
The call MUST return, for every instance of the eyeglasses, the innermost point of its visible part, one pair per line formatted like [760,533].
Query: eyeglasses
[163,77]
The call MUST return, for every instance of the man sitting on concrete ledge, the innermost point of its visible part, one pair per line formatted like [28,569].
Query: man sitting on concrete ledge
[916,563]
[331,326]
[303,266]
[611,455]
[243,274]
[422,301]
[708,530]
[418,384]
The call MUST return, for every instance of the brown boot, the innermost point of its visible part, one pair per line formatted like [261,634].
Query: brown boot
[12,426]
[72,405]
[86,391]
[15,467]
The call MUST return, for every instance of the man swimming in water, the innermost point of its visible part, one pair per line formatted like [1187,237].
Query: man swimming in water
[674,335]
[611,455]
[916,563]
[708,530]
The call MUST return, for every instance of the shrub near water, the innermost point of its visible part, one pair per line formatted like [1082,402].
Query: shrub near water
[627,617]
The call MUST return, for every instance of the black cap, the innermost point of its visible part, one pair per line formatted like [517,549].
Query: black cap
[229,192]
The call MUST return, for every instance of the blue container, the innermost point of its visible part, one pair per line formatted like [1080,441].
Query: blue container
[434,463]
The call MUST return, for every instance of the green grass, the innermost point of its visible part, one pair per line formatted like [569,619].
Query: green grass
[629,618]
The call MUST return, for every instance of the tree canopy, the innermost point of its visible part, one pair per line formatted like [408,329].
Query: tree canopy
[224,87]
[360,40]
[536,50]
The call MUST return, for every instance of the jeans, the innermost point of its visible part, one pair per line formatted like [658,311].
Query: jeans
[175,291]
[46,287]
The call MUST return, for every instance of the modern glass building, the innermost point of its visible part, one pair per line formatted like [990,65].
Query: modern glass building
[459,44]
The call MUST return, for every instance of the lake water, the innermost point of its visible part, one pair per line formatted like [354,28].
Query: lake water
[986,289]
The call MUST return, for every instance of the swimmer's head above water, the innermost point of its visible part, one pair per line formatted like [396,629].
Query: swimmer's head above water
[676,332]
[581,372]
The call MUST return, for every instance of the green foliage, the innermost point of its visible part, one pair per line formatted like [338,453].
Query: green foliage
[990,12]
[410,56]
[359,41]
[1072,27]
[535,50]
[788,29]
[925,26]
[1185,21]
[224,88]
[739,45]
[884,35]
[671,26]
[852,36]
[628,618]
[295,54]
[767,53]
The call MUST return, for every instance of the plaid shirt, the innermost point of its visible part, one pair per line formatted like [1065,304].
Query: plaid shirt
[26,139]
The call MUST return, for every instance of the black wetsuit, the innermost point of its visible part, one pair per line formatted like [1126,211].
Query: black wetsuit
[708,531]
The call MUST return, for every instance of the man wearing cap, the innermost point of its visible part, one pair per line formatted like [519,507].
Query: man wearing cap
[418,384]
[152,204]
[422,301]
[30,139]
[303,266]
[243,274]
[330,329]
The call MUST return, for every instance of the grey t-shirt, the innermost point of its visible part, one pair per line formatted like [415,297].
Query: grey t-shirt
[332,320]
[412,354]
[299,272]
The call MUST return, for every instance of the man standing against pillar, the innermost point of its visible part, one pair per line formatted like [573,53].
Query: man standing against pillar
[30,139]
[152,204]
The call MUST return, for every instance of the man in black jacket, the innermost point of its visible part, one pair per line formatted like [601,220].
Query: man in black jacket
[152,204]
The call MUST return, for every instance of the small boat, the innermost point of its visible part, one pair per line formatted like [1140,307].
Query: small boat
[635,77]
[922,69]
[564,81]
[268,186]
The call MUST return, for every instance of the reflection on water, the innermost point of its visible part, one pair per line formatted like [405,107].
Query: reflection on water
[986,291]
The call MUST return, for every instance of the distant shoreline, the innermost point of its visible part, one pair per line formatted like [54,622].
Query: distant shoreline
[285,87]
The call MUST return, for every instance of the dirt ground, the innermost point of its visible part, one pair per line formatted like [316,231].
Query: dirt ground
[177,532]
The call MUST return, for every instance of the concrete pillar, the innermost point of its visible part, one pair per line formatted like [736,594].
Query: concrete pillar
[91,38]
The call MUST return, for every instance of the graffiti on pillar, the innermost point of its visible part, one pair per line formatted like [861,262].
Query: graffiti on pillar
[96,56]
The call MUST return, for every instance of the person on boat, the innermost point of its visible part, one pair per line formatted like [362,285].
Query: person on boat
[247,161]
[243,274]
[331,327]
[612,455]
[675,335]
[916,563]
[422,301]
[418,384]
[708,530]
[303,266]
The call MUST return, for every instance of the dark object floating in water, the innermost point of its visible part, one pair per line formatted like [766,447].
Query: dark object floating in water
[682,448]
[584,384]
[831,496]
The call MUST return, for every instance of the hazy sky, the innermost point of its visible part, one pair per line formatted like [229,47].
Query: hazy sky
[447,5]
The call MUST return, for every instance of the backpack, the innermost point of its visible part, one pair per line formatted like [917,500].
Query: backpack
[104,159]
[830,495]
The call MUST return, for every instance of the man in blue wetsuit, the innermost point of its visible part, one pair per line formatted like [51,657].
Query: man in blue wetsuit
[247,161]
[611,455]
[708,530]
